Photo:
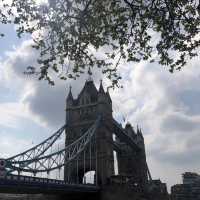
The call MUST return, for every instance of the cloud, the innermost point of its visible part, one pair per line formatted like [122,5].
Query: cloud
[165,105]
[11,145]
[190,98]
[44,103]
[10,114]
[177,123]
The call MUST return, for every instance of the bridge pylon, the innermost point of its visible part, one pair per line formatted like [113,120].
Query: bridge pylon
[81,113]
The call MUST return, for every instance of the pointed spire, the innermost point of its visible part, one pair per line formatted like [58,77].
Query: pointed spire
[128,126]
[70,96]
[140,133]
[101,90]
[137,129]
[89,75]
[108,95]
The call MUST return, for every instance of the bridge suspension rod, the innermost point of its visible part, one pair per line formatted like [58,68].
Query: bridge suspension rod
[57,159]
[38,150]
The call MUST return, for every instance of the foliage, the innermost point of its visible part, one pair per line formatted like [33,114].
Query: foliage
[69,34]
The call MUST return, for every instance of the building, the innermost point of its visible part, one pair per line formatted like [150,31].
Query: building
[190,178]
[189,190]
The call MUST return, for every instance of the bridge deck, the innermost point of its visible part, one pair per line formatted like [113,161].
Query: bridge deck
[32,185]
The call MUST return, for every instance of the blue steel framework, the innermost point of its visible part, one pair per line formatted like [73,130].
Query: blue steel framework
[34,160]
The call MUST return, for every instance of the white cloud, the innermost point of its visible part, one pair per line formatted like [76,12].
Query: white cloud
[44,103]
[11,113]
[165,106]
[11,145]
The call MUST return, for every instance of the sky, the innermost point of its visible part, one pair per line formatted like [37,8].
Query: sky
[166,107]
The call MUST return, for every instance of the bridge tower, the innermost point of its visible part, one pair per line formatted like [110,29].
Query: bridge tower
[81,113]
[129,146]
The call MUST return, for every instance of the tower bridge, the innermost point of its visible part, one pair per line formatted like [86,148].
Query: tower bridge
[89,146]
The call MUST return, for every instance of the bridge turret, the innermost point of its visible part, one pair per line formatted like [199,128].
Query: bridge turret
[102,97]
[101,89]
[69,104]
[109,98]
[130,131]
[140,138]
[88,94]
[104,102]
[70,98]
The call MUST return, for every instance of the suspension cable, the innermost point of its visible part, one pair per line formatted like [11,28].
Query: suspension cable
[59,173]
[90,156]
[68,154]
[84,178]
[49,141]
[68,172]
[77,179]
[96,170]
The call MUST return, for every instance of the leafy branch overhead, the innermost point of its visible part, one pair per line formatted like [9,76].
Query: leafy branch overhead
[74,35]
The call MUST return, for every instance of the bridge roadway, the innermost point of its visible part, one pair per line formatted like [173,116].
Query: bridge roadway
[34,185]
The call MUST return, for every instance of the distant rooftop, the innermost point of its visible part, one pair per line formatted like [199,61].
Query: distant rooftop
[190,178]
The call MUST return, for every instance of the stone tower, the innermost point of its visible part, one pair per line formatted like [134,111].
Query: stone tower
[133,163]
[81,113]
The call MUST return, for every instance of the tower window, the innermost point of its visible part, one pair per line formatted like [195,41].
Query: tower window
[87,101]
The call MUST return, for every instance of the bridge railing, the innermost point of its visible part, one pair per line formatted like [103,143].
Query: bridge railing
[29,179]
